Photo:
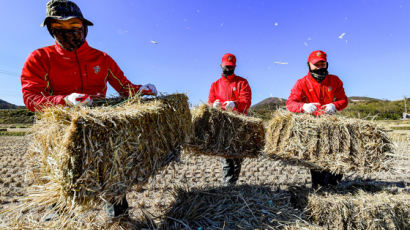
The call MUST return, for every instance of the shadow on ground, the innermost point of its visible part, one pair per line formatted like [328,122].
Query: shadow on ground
[236,207]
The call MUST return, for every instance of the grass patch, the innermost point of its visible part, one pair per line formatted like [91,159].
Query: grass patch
[7,133]
[400,127]
[16,116]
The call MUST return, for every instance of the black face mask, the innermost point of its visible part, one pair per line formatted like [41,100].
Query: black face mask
[318,74]
[227,71]
[69,39]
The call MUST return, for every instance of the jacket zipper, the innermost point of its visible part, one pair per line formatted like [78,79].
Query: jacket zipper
[79,67]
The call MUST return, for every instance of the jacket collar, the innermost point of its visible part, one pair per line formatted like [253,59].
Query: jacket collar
[312,79]
[228,78]
[83,49]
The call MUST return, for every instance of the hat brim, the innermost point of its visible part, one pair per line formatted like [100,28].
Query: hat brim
[228,63]
[85,21]
[316,60]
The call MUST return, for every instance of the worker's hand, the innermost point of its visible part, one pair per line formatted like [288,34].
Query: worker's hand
[310,107]
[216,104]
[148,89]
[330,108]
[75,99]
[229,105]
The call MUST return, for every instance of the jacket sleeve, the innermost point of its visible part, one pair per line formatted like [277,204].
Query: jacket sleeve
[212,96]
[36,89]
[340,100]
[118,81]
[245,98]
[295,102]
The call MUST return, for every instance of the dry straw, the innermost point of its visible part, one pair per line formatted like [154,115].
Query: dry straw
[333,143]
[362,210]
[238,207]
[89,155]
[226,134]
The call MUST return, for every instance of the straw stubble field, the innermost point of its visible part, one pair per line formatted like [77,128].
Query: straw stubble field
[194,181]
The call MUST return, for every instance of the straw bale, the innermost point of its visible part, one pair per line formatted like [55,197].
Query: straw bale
[93,153]
[225,134]
[361,210]
[333,143]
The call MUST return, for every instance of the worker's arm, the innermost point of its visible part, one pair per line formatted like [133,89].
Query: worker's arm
[36,88]
[295,101]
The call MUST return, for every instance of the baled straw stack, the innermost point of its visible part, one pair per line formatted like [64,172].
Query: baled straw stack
[238,207]
[225,134]
[362,210]
[92,153]
[333,143]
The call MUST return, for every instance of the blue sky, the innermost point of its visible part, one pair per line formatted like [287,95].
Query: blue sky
[367,41]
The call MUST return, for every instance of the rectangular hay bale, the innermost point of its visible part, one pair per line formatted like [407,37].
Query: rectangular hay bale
[225,134]
[103,151]
[329,142]
[362,210]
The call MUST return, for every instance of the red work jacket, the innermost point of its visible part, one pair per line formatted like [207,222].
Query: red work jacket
[51,73]
[232,88]
[308,90]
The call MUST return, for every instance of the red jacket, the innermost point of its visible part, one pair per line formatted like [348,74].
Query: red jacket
[51,73]
[308,90]
[232,88]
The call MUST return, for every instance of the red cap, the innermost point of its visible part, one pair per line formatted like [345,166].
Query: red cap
[229,59]
[316,56]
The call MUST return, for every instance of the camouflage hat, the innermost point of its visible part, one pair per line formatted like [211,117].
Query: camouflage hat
[63,10]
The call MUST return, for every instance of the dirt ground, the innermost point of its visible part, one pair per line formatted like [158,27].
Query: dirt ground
[193,172]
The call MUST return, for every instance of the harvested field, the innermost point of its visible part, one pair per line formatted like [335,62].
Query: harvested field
[149,205]
[240,207]
[332,143]
[225,134]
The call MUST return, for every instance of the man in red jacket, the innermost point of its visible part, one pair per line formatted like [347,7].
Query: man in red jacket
[71,73]
[318,93]
[230,93]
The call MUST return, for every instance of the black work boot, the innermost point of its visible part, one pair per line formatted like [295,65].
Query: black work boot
[231,168]
[324,178]
[119,210]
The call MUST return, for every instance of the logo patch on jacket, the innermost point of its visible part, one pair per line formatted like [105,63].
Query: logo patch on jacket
[234,88]
[96,69]
[330,88]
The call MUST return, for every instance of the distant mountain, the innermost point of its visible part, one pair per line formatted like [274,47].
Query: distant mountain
[6,105]
[359,107]
[358,98]
[275,102]
[270,103]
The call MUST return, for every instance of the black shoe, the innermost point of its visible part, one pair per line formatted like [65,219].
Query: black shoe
[324,178]
[119,210]
[231,169]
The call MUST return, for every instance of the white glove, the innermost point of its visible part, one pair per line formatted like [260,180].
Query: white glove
[75,99]
[216,104]
[310,107]
[229,105]
[330,108]
[148,89]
